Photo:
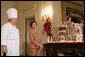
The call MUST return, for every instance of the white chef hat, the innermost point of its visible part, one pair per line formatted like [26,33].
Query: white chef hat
[12,13]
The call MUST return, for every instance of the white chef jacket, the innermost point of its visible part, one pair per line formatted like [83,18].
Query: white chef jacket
[10,38]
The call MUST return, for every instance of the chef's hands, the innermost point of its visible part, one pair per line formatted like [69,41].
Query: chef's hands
[4,49]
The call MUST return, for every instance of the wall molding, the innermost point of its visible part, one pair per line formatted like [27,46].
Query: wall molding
[74,3]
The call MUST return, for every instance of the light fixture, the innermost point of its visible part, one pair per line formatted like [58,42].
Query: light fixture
[46,13]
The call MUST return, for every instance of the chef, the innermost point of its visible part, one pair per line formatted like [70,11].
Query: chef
[10,34]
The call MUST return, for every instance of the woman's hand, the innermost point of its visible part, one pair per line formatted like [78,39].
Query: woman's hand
[41,47]
[4,49]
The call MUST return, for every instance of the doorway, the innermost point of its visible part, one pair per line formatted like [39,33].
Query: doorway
[27,30]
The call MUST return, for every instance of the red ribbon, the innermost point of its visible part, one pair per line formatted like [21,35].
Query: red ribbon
[47,29]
